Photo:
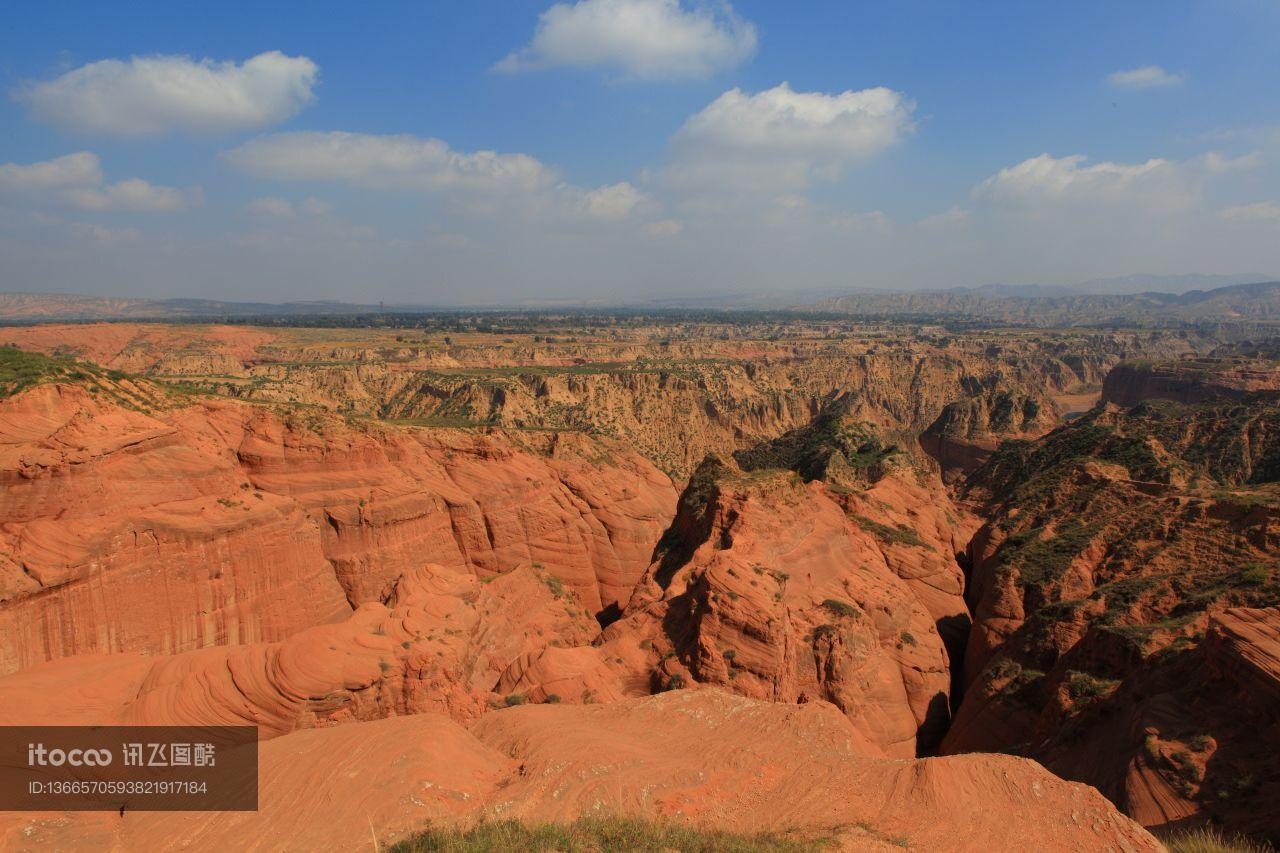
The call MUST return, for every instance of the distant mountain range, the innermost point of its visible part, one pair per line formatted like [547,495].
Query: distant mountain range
[49,307]
[1101,302]
[1255,302]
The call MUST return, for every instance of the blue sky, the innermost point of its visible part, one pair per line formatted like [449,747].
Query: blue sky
[903,153]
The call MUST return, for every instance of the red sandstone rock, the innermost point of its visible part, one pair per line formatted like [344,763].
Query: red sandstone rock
[769,588]
[704,756]
[221,523]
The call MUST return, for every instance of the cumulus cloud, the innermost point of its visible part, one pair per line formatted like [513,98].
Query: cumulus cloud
[617,201]
[157,94]
[77,180]
[643,38]
[489,183]
[386,162]
[1217,163]
[783,139]
[80,169]
[1144,77]
[1048,179]
[1262,211]
[135,195]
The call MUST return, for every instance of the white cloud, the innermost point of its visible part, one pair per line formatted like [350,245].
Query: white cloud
[76,180]
[1262,211]
[488,183]
[1145,77]
[1048,179]
[613,202]
[783,139]
[386,162]
[80,169]
[273,207]
[643,38]
[1216,163]
[157,94]
[134,195]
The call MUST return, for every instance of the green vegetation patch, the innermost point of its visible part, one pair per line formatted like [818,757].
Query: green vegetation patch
[601,834]
[1041,558]
[830,443]
[1084,687]
[898,534]
[20,370]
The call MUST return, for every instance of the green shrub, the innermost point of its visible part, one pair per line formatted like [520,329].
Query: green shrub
[1254,574]
[840,608]
[898,534]
[1083,686]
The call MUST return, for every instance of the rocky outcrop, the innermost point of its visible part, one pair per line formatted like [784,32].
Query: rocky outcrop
[703,757]
[1191,380]
[1103,642]
[123,532]
[195,524]
[968,431]
[440,643]
[776,590]
[388,499]
[673,393]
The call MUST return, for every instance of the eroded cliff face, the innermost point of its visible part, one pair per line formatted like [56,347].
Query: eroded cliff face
[1102,590]
[776,589]
[124,532]
[672,393]
[1191,380]
[968,431]
[193,558]
[214,523]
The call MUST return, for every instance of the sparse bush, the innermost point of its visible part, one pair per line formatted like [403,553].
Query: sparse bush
[825,630]
[840,608]
[601,833]
[1083,686]
[1254,574]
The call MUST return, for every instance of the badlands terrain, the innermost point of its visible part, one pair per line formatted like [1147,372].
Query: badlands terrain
[864,584]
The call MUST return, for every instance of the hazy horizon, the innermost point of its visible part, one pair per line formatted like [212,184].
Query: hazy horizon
[618,151]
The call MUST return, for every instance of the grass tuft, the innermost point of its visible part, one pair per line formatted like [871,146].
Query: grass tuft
[599,834]
[1206,840]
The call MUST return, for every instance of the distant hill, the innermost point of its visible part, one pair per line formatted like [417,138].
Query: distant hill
[998,304]
[1258,302]
[49,307]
